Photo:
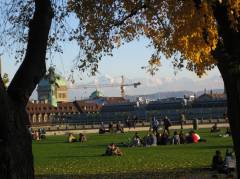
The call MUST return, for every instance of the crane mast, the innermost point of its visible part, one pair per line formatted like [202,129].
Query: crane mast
[122,87]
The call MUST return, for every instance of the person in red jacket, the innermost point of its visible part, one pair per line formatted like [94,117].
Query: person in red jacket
[195,137]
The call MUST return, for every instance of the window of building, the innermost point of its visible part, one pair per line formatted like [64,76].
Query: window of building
[40,118]
[34,118]
[45,118]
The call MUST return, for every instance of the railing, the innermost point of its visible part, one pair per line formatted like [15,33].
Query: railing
[95,125]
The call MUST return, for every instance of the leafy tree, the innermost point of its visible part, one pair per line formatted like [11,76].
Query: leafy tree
[196,34]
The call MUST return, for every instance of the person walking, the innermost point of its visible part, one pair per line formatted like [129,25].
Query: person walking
[182,120]
[167,123]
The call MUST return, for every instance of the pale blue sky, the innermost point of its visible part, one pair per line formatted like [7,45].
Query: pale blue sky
[127,61]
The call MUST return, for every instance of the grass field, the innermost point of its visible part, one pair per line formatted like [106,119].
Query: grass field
[54,156]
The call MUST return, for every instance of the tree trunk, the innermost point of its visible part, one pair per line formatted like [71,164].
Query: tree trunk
[231,78]
[16,160]
[227,55]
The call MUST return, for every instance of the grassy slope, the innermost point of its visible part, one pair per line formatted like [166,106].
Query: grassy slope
[54,156]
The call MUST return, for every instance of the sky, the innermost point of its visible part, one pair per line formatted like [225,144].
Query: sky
[127,61]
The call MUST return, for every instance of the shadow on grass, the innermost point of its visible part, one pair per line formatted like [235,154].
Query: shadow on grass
[49,142]
[74,156]
[86,145]
[179,173]
[215,146]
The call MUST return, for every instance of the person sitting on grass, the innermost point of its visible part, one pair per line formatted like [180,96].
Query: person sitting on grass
[229,162]
[82,138]
[136,141]
[158,135]
[188,137]
[119,128]
[153,140]
[175,138]
[147,140]
[112,150]
[215,128]
[164,138]
[217,162]
[110,126]
[102,129]
[182,137]
[71,138]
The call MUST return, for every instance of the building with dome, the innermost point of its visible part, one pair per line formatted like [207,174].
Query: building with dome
[52,88]
[96,95]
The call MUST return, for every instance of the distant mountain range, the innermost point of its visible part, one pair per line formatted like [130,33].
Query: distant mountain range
[168,94]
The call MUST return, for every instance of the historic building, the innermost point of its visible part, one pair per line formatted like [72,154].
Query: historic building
[45,110]
[52,88]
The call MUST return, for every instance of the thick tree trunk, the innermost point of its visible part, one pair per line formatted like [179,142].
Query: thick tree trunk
[231,78]
[227,55]
[16,160]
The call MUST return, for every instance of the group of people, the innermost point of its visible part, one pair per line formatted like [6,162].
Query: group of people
[72,138]
[38,134]
[155,124]
[111,128]
[164,138]
[226,165]
[131,122]
[112,150]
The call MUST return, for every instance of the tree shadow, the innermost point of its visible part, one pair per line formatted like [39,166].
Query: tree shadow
[74,156]
[202,173]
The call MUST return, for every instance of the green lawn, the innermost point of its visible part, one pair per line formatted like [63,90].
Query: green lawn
[54,156]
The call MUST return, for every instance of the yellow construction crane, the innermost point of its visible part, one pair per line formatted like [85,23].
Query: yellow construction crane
[122,85]
[135,85]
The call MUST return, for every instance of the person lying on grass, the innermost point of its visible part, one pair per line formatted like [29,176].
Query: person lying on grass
[113,150]
[193,137]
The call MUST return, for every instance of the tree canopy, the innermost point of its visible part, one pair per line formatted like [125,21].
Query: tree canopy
[185,31]
[196,34]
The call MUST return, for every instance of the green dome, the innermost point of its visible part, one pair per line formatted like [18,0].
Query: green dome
[52,78]
[96,94]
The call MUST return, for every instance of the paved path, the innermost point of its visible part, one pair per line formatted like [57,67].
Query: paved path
[62,132]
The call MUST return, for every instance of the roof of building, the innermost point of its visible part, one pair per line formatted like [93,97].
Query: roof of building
[96,94]
[37,107]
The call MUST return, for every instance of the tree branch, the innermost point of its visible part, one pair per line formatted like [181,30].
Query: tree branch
[33,66]
[131,14]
